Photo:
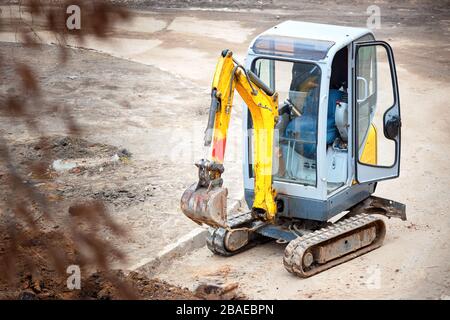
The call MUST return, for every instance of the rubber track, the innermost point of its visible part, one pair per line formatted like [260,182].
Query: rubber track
[293,254]
[216,236]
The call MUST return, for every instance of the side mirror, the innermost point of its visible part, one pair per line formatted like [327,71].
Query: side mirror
[392,127]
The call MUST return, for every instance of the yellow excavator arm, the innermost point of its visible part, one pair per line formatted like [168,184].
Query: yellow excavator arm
[205,201]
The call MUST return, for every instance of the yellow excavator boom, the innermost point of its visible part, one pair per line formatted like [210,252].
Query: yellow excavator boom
[205,201]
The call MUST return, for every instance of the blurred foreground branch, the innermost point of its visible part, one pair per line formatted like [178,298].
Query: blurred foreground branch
[27,248]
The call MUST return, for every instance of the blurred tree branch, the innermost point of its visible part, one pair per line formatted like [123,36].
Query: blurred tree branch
[26,210]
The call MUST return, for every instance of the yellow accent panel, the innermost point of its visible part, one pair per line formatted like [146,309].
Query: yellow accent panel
[369,154]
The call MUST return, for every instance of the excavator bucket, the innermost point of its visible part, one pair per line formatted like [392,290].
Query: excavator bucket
[206,205]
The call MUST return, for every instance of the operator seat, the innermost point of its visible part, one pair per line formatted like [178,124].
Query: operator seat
[304,127]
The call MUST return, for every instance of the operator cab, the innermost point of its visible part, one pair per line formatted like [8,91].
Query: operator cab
[299,85]
[311,67]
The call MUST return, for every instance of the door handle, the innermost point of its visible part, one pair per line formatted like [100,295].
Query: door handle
[366,89]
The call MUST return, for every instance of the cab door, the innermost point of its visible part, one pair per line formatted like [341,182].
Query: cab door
[376,113]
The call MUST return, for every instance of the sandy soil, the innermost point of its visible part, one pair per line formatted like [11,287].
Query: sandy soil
[154,106]
[135,115]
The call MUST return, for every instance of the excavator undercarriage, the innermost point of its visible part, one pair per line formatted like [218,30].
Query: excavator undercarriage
[314,247]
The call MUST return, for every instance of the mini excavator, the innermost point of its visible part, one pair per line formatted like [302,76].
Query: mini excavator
[321,128]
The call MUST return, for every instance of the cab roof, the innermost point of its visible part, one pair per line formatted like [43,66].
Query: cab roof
[316,38]
[317,31]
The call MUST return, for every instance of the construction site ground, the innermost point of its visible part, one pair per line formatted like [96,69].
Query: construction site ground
[147,91]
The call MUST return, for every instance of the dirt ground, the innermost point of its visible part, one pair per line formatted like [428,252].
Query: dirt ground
[147,91]
[45,282]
